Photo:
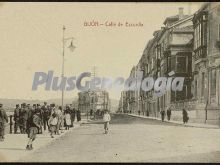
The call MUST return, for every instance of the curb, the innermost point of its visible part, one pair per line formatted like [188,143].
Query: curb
[187,125]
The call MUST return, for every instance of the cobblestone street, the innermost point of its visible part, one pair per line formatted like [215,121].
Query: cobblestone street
[132,139]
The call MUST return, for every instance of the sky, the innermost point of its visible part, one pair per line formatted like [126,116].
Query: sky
[31,41]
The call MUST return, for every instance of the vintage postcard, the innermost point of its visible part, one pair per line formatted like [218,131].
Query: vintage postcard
[110,82]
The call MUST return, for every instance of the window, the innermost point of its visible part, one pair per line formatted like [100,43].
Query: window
[197,36]
[168,64]
[213,82]
[173,63]
[180,95]
[173,96]
[181,64]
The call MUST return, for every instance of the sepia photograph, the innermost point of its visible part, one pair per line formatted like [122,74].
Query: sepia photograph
[118,82]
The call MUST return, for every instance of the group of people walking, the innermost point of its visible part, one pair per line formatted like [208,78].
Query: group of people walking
[168,113]
[34,119]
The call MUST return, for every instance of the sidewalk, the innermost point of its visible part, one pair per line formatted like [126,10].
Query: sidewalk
[14,146]
[197,125]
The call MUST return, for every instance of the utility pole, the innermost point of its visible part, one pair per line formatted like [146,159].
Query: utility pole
[93,105]
[71,47]
[63,63]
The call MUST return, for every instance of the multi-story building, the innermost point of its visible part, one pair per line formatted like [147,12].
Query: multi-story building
[189,45]
[206,62]
[169,50]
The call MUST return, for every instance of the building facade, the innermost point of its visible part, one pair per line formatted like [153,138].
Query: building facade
[206,61]
[189,45]
[95,100]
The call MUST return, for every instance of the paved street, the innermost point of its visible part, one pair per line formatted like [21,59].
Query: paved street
[133,139]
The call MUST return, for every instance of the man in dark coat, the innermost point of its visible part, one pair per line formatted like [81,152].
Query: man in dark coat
[91,113]
[162,113]
[23,116]
[3,120]
[16,118]
[168,113]
[78,115]
[185,116]
[30,113]
[46,115]
[39,110]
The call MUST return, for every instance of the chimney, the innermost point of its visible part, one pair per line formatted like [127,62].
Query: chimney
[181,13]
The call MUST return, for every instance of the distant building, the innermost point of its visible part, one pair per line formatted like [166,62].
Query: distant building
[96,100]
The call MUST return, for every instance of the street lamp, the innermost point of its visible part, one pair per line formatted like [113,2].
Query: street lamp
[72,48]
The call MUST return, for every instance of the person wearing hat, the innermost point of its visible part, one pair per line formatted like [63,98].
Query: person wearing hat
[39,110]
[46,115]
[67,118]
[34,106]
[23,116]
[16,118]
[30,113]
[3,119]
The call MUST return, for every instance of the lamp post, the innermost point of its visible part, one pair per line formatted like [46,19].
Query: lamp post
[71,47]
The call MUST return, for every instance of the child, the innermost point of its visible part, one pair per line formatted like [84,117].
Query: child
[67,119]
[106,118]
[53,124]
[34,125]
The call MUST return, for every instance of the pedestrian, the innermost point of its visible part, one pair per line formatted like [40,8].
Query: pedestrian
[139,112]
[23,115]
[53,109]
[73,114]
[185,116]
[147,112]
[34,124]
[106,119]
[67,119]
[91,113]
[168,113]
[34,107]
[16,118]
[30,114]
[78,115]
[53,121]
[3,120]
[94,117]
[162,113]
[38,108]
[46,115]
[59,115]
